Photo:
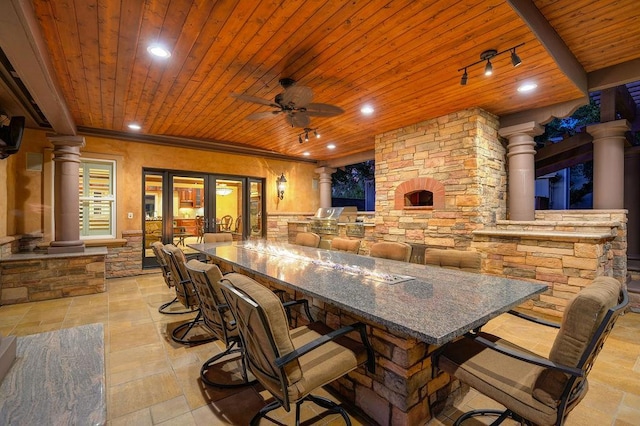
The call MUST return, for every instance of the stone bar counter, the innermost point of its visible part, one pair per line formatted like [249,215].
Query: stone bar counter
[410,310]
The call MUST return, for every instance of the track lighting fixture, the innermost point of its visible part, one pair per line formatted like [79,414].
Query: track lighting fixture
[487,56]
[306,132]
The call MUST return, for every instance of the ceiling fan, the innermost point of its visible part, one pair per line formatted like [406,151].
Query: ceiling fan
[295,103]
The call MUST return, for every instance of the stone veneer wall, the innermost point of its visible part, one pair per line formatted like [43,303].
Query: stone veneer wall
[565,249]
[278,224]
[462,151]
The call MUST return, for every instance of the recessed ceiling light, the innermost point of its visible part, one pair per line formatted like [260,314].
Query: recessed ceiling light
[134,126]
[306,153]
[527,87]
[159,51]
[367,110]
[331,146]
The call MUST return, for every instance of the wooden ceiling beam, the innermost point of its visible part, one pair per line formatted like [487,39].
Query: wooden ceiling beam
[554,44]
[615,75]
[24,46]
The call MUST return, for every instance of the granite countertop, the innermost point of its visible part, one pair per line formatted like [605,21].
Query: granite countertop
[429,303]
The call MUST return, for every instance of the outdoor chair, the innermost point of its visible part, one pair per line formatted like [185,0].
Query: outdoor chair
[218,237]
[186,294]
[391,250]
[219,320]
[453,259]
[290,364]
[537,390]
[308,239]
[161,258]
[345,244]
[199,228]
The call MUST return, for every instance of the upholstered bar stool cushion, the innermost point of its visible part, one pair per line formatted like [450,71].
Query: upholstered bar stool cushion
[453,259]
[210,237]
[345,244]
[308,239]
[184,289]
[582,317]
[391,250]
[312,370]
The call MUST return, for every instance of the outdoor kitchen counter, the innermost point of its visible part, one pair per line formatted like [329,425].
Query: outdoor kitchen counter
[431,304]
[407,320]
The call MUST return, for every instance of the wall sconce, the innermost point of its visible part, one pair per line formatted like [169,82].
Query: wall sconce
[306,132]
[487,56]
[281,183]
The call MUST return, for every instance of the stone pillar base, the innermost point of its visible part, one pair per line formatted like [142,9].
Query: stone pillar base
[57,247]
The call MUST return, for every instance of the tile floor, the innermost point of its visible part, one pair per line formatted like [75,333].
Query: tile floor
[151,380]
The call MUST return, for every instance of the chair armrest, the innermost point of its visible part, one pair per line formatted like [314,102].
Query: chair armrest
[303,302]
[532,359]
[534,319]
[291,356]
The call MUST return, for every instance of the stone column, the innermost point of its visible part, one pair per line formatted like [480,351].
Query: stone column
[522,176]
[632,204]
[325,185]
[66,156]
[608,163]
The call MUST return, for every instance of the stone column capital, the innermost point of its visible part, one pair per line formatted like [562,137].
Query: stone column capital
[530,128]
[66,140]
[615,128]
[325,170]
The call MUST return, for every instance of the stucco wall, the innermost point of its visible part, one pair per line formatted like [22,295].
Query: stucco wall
[26,205]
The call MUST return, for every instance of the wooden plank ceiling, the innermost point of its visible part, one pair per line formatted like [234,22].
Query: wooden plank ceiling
[402,57]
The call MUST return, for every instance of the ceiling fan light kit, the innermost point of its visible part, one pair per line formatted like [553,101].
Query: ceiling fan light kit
[487,56]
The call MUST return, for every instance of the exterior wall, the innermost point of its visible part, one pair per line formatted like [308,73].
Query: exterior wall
[463,152]
[27,211]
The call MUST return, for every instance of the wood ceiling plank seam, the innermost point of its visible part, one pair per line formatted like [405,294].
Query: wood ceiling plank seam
[173,26]
[86,13]
[128,42]
[234,68]
[220,121]
[65,30]
[242,108]
[108,27]
[307,41]
[198,15]
[44,14]
[206,37]
[189,95]
[144,64]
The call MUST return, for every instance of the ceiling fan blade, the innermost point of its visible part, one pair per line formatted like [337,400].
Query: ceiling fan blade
[323,110]
[297,96]
[298,119]
[261,115]
[254,99]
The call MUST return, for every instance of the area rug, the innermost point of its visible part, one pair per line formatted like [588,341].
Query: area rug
[57,378]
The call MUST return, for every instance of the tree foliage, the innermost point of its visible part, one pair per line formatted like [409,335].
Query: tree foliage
[348,181]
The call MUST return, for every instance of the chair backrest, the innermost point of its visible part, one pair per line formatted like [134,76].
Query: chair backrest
[200,226]
[345,244]
[264,330]
[185,292]
[161,257]
[226,222]
[215,313]
[218,237]
[586,323]
[453,259]
[391,250]
[308,239]
[238,228]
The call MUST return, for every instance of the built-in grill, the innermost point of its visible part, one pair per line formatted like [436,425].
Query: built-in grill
[325,221]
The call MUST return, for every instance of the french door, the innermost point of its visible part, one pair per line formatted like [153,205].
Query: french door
[179,207]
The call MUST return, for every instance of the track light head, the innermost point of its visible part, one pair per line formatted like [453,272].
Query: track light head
[515,59]
[315,132]
[306,137]
[299,138]
[488,69]
[463,80]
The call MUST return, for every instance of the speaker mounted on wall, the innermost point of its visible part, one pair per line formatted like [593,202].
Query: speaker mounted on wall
[11,136]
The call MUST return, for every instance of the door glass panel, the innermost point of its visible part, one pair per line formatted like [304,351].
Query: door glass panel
[255,210]
[153,214]
[188,208]
[229,207]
